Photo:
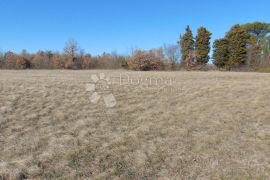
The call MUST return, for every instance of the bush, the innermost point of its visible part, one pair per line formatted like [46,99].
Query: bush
[37,61]
[109,61]
[41,60]
[10,60]
[57,62]
[144,61]
[87,62]
[69,64]
[22,63]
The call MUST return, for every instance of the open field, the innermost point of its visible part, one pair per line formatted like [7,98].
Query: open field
[174,125]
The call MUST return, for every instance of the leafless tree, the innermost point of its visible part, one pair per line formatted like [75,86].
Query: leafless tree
[71,49]
[172,52]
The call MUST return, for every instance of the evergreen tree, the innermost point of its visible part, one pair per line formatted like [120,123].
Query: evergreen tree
[187,44]
[237,39]
[258,34]
[202,45]
[221,52]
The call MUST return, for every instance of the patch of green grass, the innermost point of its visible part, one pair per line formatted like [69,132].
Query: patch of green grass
[264,70]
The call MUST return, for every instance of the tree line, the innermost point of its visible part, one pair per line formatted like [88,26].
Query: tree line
[73,57]
[244,46]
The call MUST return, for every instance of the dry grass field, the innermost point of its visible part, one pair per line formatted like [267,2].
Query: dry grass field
[170,125]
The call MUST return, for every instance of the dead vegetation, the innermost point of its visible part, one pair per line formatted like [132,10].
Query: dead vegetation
[205,125]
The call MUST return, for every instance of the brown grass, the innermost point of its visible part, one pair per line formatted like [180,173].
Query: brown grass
[206,125]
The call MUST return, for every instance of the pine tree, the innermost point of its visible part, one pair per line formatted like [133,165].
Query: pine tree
[221,52]
[258,33]
[187,44]
[237,39]
[202,45]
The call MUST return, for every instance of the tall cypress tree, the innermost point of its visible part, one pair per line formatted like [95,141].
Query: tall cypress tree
[237,39]
[202,45]
[187,44]
[221,52]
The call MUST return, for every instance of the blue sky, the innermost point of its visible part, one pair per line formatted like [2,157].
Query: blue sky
[117,25]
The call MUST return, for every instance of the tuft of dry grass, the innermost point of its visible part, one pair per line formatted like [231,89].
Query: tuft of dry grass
[203,125]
